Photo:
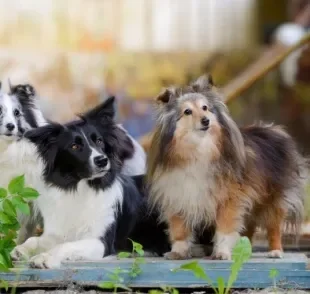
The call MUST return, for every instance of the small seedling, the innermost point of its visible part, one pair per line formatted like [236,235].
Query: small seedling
[116,277]
[164,290]
[241,253]
[273,274]
[13,200]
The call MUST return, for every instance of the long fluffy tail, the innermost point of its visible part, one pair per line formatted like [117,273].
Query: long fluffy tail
[295,197]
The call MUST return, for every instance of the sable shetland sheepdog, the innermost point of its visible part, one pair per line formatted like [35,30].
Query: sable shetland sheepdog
[204,170]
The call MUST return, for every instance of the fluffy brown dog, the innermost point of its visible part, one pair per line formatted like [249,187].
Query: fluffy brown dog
[204,170]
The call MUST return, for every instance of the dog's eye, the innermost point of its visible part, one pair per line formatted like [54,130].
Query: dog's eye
[75,146]
[17,113]
[187,112]
[99,142]
[204,108]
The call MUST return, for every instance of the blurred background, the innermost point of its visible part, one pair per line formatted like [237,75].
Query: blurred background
[77,52]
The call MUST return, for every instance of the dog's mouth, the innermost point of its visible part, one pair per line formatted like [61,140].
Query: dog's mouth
[98,174]
[204,128]
[11,136]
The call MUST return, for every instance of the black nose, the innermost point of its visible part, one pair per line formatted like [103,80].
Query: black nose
[205,121]
[10,127]
[101,161]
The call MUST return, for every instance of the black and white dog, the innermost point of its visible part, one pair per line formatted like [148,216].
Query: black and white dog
[20,111]
[89,208]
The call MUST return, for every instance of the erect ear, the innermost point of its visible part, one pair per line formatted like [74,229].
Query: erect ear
[204,82]
[22,90]
[166,96]
[103,110]
[46,135]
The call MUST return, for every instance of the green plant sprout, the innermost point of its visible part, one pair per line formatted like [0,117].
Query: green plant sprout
[273,275]
[164,290]
[241,253]
[116,277]
[14,199]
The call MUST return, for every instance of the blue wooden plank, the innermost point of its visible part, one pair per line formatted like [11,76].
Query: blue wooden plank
[155,278]
[258,261]
[157,272]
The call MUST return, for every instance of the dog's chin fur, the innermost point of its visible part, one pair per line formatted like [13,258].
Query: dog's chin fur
[235,179]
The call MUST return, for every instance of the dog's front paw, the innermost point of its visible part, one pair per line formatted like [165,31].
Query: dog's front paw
[222,255]
[45,260]
[172,255]
[20,253]
[275,254]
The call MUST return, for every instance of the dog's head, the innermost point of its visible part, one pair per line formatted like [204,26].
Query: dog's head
[80,150]
[195,118]
[14,107]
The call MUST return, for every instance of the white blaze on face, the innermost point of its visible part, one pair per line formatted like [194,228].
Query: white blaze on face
[94,153]
[10,115]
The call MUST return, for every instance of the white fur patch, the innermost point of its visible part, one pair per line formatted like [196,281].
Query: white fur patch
[68,216]
[188,192]
[137,164]
[224,244]
[89,249]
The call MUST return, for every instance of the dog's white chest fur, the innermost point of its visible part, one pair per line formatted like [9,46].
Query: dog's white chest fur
[79,214]
[69,215]
[187,191]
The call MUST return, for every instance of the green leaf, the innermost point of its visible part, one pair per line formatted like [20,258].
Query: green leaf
[7,257]
[3,264]
[5,285]
[156,292]
[198,271]
[273,273]
[10,228]
[241,253]
[16,185]
[8,208]
[3,193]
[123,255]
[21,205]
[242,250]
[139,260]
[4,218]
[196,268]
[137,247]
[121,286]
[107,285]
[29,193]
[221,285]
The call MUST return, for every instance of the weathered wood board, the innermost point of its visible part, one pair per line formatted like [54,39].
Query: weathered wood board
[292,273]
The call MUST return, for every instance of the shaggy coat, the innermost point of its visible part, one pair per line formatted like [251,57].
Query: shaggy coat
[203,170]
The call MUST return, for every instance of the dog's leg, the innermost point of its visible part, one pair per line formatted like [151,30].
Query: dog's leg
[33,246]
[274,223]
[180,238]
[88,249]
[228,227]
[250,231]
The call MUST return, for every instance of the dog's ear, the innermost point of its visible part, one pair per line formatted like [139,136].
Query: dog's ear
[46,135]
[24,91]
[103,110]
[204,82]
[166,96]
